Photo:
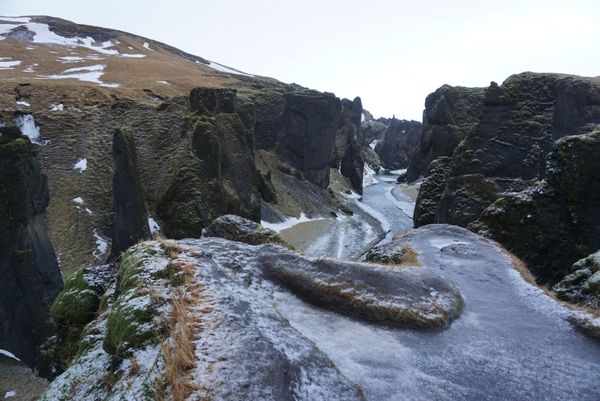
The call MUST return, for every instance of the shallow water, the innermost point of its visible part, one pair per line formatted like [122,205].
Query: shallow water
[511,342]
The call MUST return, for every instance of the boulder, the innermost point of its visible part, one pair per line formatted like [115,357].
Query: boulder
[30,273]
[236,228]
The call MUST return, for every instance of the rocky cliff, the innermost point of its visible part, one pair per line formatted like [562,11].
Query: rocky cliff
[506,134]
[31,278]
[399,144]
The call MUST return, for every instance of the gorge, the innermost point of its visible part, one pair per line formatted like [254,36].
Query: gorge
[172,228]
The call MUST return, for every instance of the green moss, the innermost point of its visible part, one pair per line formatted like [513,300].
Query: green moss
[77,303]
[129,264]
[130,324]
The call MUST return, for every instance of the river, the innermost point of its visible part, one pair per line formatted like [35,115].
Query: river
[512,341]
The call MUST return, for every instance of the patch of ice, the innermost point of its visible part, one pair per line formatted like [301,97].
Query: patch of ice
[57,107]
[10,394]
[385,224]
[22,102]
[154,227]
[8,354]
[222,68]
[26,124]
[369,176]
[9,65]
[163,82]
[398,172]
[16,19]
[81,165]
[101,246]
[288,223]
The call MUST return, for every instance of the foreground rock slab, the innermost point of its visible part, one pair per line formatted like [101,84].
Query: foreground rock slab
[243,346]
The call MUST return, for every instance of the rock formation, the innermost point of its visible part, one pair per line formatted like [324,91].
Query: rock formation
[130,222]
[30,273]
[349,142]
[506,133]
[399,144]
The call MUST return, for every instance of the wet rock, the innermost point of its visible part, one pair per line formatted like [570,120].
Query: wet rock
[349,143]
[237,228]
[30,273]
[245,347]
[131,221]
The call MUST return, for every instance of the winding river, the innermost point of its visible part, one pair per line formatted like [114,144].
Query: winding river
[512,341]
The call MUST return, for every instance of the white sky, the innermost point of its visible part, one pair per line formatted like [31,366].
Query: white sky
[391,53]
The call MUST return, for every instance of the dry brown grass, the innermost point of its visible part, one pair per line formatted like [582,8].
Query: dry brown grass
[179,350]
[410,257]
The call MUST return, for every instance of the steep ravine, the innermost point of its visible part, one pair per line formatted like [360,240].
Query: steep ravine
[512,341]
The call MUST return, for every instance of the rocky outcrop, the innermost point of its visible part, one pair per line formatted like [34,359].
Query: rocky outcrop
[349,142]
[30,273]
[237,297]
[582,284]
[556,222]
[130,222]
[236,228]
[219,175]
[499,181]
[451,112]
[400,142]
[431,190]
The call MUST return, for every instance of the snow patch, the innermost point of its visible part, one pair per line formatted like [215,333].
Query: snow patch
[79,200]
[373,144]
[163,82]
[147,46]
[57,107]
[90,73]
[30,68]
[8,354]
[132,55]
[101,246]
[288,223]
[22,102]
[26,124]
[10,394]
[81,165]
[369,176]
[154,227]
[9,65]
[16,19]
[222,68]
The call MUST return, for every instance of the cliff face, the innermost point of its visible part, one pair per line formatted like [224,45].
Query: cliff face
[399,144]
[507,133]
[31,278]
[349,143]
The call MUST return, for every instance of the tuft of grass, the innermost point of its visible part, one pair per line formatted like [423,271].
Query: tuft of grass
[409,257]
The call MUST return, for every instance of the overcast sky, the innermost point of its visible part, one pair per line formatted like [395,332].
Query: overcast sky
[390,53]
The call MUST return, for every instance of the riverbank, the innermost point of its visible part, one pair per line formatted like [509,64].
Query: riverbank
[18,382]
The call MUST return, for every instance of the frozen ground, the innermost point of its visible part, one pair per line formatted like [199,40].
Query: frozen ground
[512,342]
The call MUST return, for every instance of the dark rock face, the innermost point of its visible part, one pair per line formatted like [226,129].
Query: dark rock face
[450,114]
[492,184]
[310,123]
[432,187]
[131,222]
[349,143]
[400,142]
[301,128]
[31,278]
[219,176]
[556,222]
